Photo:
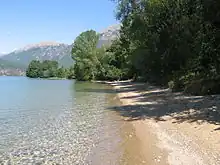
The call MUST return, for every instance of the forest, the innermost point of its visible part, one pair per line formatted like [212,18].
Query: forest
[48,69]
[173,43]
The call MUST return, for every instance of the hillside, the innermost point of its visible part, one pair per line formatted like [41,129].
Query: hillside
[20,59]
[41,51]
[10,68]
[7,64]
[108,34]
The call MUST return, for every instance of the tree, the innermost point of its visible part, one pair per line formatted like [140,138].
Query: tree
[84,53]
[47,69]
[61,72]
[170,40]
[92,63]
[70,74]
[34,69]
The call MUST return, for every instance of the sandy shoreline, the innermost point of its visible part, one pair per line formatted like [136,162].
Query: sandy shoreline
[170,128]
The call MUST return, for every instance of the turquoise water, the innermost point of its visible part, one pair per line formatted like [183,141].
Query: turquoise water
[57,122]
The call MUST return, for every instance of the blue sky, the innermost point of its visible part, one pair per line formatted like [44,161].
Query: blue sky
[25,22]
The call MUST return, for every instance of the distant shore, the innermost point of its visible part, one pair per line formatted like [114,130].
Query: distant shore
[167,127]
[51,78]
[56,78]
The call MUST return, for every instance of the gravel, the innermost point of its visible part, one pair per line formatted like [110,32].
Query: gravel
[68,139]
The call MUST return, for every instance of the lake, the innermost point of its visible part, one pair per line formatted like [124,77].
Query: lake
[57,122]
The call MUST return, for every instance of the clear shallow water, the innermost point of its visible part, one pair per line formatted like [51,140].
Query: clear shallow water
[57,122]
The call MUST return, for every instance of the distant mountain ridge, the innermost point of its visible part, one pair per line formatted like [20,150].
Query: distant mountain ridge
[41,44]
[20,59]
[41,51]
[108,35]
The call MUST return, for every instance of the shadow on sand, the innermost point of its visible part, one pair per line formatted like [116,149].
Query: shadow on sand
[159,104]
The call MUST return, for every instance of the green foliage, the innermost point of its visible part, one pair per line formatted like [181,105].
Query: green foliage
[48,69]
[84,54]
[170,41]
[34,69]
[165,42]
[70,74]
[61,72]
[113,73]
[92,63]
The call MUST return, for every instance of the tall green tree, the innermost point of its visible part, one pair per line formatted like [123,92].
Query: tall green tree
[84,53]
[34,69]
[170,40]
[49,68]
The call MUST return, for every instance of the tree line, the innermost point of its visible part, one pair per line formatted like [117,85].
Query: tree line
[48,69]
[93,63]
[165,42]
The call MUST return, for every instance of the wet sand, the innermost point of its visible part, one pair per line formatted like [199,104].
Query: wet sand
[168,128]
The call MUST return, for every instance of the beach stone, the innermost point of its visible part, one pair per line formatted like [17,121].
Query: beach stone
[70,137]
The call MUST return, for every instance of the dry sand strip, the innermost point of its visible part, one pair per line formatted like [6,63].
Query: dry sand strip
[172,128]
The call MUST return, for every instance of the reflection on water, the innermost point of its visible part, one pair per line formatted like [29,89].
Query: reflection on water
[56,121]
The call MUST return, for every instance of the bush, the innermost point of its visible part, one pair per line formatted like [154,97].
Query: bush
[171,85]
[203,87]
[176,85]
[113,73]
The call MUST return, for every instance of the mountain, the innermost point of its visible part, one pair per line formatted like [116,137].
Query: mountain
[10,68]
[19,60]
[108,35]
[7,64]
[41,51]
